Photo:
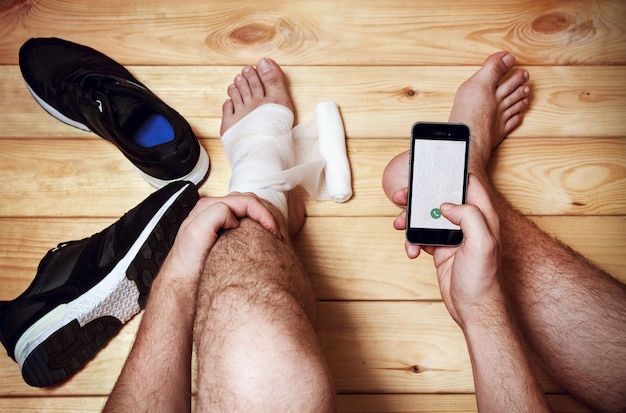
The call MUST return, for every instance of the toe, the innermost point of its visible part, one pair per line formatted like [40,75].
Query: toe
[234,95]
[243,87]
[274,82]
[511,84]
[512,122]
[254,83]
[521,93]
[228,112]
[519,107]
[496,67]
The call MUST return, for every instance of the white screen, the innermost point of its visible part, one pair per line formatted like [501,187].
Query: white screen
[438,176]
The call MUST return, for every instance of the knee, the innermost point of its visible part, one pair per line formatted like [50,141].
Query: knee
[265,350]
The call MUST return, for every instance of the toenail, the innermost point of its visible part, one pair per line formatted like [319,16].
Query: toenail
[247,69]
[264,66]
[508,60]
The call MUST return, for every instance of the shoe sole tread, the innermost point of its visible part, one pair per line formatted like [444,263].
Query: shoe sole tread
[95,321]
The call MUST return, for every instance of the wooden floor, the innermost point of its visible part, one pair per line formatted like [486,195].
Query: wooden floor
[390,343]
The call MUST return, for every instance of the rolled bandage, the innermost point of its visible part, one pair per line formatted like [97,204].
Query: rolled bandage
[332,147]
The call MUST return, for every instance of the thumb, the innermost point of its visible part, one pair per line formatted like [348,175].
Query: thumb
[469,218]
[451,212]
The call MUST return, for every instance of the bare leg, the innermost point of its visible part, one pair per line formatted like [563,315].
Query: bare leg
[572,313]
[257,347]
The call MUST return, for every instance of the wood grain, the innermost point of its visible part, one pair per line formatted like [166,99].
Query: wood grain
[390,343]
[73,177]
[371,347]
[328,32]
[381,102]
[393,403]
[352,258]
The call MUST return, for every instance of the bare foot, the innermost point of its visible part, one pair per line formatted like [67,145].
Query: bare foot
[252,88]
[491,103]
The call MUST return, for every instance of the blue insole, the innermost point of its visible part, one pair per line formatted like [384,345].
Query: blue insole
[155,131]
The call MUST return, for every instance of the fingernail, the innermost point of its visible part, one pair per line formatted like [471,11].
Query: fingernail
[264,66]
[446,206]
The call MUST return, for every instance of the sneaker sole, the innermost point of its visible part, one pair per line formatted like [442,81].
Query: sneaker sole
[55,113]
[197,175]
[66,338]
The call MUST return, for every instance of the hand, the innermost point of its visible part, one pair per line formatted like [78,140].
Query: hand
[467,274]
[400,198]
[201,229]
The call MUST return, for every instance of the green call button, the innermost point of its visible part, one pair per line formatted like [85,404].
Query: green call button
[435,213]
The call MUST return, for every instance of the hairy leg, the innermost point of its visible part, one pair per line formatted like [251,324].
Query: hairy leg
[254,331]
[572,314]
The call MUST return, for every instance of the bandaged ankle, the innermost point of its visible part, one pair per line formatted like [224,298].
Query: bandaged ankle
[258,147]
[268,159]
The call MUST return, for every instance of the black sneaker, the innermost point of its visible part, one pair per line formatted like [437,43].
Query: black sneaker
[84,291]
[88,90]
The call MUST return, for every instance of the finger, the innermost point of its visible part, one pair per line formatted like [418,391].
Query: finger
[401,197]
[400,222]
[412,250]
[478,195]
[224,220]
[248,205]
[471,220]
[202,230]
[430,250]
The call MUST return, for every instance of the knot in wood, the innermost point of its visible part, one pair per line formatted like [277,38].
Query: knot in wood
[416,369]
[19,7]
[574,26]
[552,23]
[409,92]
[253,34]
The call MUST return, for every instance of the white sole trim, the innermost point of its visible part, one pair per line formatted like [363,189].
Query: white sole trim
[115,295]
[55,112]
[196,176]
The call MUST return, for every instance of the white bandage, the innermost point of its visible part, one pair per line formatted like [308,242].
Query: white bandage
[268,158]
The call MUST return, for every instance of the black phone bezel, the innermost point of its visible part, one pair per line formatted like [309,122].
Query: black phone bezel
[436,131]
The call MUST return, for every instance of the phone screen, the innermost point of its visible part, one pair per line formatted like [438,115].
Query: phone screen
[438,175]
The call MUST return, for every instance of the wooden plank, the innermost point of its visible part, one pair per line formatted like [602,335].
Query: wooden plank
[347,258]
[418,403]
[353,403]
[363,258]
[376,102]
[371,347]
[398,347]
[569,177]
[327,32]
[85,404]
[73,177]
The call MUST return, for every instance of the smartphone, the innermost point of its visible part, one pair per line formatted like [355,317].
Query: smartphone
[438,174]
